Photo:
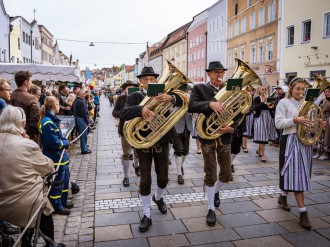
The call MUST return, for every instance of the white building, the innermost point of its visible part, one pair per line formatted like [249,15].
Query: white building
[36,43]
[4,34]
[217,32]
[25,41]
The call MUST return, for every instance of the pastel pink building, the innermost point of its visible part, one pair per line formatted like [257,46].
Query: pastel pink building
[197,34]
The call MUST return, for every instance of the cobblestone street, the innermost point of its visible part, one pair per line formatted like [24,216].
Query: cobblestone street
[108,214]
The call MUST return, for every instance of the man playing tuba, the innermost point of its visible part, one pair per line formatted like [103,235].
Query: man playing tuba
[158,152]
[202,101]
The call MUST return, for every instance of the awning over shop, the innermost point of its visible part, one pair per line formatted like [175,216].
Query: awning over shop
[41,72]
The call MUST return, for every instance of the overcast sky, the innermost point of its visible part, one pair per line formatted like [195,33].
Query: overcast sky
[125,21]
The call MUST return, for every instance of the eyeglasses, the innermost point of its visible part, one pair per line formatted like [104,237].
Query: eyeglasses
[4,89]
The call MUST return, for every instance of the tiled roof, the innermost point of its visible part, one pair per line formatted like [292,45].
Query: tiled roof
[128,68]
[156,49]
[176,35]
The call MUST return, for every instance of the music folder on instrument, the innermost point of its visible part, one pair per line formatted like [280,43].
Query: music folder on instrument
[234,84]
[271,99]
[132,90]
[154,89]
[312,94]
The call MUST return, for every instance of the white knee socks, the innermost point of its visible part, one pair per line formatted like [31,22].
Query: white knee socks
[217,186]
[125,164]
[210,197]
[183,158]
[146,205]
[136,162]
[178,162]
[158,193]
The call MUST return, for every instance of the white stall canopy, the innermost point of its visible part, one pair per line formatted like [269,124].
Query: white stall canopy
[40,72]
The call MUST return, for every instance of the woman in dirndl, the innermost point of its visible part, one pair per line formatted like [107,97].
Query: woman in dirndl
[262,120]
[295,158]
[248,133]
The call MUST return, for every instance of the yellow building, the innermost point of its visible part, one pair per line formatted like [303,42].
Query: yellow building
[252,37]
[118,79]
[15,44]
[46,45]
[305,39]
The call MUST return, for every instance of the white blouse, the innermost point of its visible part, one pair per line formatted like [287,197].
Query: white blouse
[286,110]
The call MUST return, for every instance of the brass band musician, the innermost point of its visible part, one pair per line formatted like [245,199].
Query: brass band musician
[295,158]
[201,101]
[158,152]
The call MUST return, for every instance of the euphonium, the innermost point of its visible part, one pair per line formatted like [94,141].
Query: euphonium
[237,103]
[308,135]
[141,133]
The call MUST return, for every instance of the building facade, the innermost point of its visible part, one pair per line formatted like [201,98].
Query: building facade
[128,72]
[216,31]
[142,61]
[64,59]
[156,56]
[46,45]
[117,79]
[4,34]
[35,43]
[21,49]
[253,37]
[305,36]
[56,54]
[197,36]
[175,48]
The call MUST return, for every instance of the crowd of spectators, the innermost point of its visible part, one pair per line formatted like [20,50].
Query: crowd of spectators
[28,118]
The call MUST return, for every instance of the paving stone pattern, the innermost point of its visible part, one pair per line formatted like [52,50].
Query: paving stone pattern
[108,214]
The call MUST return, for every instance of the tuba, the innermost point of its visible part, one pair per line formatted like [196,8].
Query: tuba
[141,133]
[237,104]
[309,135]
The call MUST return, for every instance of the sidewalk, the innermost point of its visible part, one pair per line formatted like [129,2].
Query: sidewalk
[108,214]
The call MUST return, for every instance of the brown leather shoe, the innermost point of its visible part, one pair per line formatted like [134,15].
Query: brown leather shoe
[282,200]
[304,221]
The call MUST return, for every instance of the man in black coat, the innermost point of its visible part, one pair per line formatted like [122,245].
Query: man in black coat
[126,147]
[159,152]
[80,112]
[219,149]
